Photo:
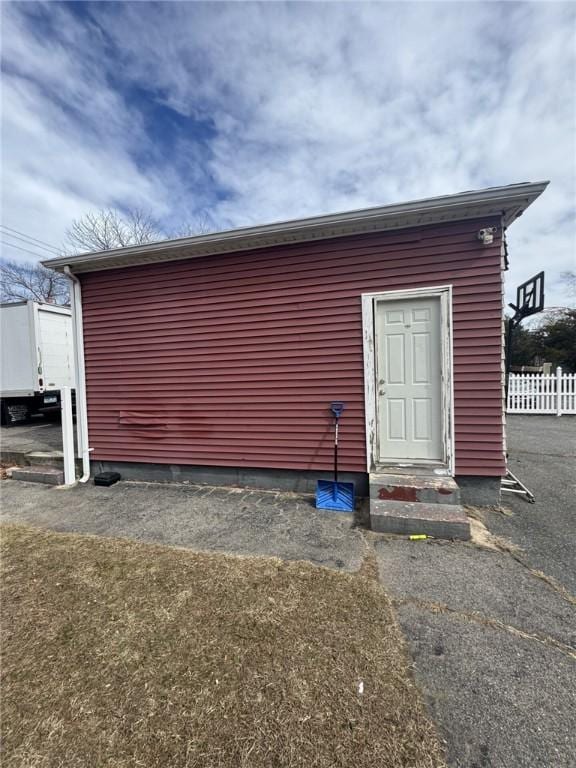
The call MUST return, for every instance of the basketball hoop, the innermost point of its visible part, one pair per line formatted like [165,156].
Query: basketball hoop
[529,301]
[529,298]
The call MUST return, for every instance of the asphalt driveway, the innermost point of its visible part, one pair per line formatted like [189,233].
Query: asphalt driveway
[543,456]
[41,434]
[492,631]
[244,522]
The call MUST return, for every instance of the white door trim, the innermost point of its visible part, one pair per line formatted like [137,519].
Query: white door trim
[444,292]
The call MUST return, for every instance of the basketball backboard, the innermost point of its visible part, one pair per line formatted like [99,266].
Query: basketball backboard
[529,297]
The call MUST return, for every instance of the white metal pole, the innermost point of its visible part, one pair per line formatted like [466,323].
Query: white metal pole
[67,436]
[559,391]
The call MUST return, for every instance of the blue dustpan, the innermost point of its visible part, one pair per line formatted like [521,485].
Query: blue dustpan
[330,494]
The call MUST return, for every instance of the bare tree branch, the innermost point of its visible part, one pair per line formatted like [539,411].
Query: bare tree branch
[108,229]
[201,224]
[95,231]
[26,280]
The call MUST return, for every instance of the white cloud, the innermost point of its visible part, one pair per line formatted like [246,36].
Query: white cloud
[316,108]
[67,135]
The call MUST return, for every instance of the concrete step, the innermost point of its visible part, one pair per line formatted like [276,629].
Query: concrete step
[39,474]
[432,489]
[443,521]
[50,458]
[35,458]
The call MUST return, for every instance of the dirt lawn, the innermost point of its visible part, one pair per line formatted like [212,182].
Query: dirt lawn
[127,654]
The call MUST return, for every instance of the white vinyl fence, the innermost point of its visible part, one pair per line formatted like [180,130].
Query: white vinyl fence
[542,393]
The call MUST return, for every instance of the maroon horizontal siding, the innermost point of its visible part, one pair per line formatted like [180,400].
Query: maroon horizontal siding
[232,360]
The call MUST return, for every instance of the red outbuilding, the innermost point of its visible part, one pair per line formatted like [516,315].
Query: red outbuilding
[215,358]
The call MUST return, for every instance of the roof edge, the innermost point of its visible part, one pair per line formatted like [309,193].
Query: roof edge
[508,201]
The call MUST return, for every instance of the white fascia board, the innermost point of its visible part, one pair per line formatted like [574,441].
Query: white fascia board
[507,202]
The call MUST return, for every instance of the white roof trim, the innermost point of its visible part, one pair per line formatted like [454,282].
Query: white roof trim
[509,202]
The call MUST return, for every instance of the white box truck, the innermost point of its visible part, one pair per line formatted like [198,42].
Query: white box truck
[37,358]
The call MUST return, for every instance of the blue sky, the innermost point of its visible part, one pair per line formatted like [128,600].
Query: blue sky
[255,112]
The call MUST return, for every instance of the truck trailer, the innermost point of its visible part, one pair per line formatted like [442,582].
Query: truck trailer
[37,358]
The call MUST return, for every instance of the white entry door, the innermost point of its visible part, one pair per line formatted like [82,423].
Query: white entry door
[409,380]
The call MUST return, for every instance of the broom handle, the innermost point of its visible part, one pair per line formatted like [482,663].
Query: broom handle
[336,452]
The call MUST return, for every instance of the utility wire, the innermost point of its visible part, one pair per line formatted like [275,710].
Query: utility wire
[29,237]
[33,245]
[34,253]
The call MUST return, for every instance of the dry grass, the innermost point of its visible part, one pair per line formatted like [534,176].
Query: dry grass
[124,654]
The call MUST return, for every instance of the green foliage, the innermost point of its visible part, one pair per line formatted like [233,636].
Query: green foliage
[557,337]
[552,341]
[525,347]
